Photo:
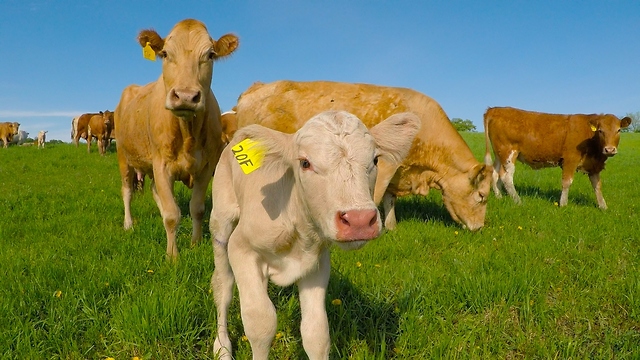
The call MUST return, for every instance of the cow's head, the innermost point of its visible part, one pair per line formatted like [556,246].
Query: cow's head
[16,127]
[187,54]
[606,129]
[107,117]
[466,195]
[333,161]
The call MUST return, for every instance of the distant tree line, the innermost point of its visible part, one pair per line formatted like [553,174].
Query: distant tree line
[463,125]
[635,122]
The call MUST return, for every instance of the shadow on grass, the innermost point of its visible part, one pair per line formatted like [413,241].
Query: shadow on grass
[424,209]
[553,195]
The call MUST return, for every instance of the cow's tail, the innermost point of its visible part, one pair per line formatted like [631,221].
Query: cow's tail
[74,127]
[487,141]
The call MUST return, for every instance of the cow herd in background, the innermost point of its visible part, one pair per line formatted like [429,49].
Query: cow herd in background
[298,166]
[10,133]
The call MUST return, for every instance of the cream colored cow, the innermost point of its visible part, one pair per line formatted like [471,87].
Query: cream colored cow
[276,220]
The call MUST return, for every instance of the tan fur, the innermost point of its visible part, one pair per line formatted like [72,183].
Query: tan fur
[439,157]
[42,138]
[277,222]
[7,131]
[170,129]
[573,142]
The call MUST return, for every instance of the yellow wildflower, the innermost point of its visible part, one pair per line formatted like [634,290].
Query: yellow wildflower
[359,264]
[519,227]
[58,293]
[150,271]
[244,338]
[278,335]
[336,302]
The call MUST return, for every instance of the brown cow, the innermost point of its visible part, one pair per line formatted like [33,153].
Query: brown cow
[170,129]
[573,142]
[100,127]
[276,220]
[439,157]
[7,131]
[79,127]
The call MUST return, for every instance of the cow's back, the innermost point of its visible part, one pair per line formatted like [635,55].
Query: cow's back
[538,138]
[286,105]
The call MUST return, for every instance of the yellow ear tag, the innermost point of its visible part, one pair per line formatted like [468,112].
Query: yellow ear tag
[249,155]
[148,53]
[593,128]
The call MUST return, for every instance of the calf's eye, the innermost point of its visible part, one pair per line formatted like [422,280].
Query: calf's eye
[375,160]
[305,164]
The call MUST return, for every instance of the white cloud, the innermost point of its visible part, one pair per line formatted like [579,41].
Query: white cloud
[24,114]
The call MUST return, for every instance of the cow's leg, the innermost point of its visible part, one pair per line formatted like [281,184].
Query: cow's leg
[595,182]
[567,180]
[163,194]
[507,176]
[495,177]
[196,204]
[223,220]
[257,310]
[314,326]
[389,208]
[126,175]
[89,140]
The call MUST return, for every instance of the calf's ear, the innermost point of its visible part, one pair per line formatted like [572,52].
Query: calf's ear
[275,145]
[394,136]
[626,121]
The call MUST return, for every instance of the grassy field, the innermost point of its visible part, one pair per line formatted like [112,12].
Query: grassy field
[538,282]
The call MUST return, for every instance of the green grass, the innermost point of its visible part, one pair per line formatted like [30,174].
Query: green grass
[537,282]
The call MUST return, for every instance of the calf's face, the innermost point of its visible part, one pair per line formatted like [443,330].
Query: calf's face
[335,160]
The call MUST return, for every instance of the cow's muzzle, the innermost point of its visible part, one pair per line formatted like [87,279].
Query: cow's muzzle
[184,100]
[610,150]
[356,225]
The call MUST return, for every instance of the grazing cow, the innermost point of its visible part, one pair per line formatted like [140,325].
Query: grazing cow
[573,142]
[170,129]
[439,157]
[276,220]
[42,137]
[20,138]
[100,127]
[79,127]
[7,131]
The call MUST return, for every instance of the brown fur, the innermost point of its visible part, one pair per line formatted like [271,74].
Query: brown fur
[170,129]
[439,157]
[81,127]
[100,127]
[573,142]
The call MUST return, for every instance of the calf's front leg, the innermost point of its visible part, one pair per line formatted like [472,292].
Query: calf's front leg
[595,182]
[164,197]
[314,326]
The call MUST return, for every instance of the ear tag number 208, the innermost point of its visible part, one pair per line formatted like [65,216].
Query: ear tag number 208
[249,154]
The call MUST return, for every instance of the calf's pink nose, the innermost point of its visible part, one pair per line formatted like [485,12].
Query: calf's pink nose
[357,225]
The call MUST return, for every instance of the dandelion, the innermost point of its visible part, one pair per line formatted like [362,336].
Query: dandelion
[278,335]
[359,264]
[336,302]
[58,293]
[377,265]
[555,203]
[109,358]
[244,338]
[149,271]
[135,358]
[519,227]
[455,232]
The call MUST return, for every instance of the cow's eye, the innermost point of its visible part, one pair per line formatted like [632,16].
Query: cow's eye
[375,160]
[305,164]
[212,54]
[162,54]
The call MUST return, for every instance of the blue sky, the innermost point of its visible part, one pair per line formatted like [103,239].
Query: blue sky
[62,58]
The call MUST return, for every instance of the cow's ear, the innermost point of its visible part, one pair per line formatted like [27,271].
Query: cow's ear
[394,136]
[478,173]
[151,36]
[225,45]
[626,121]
